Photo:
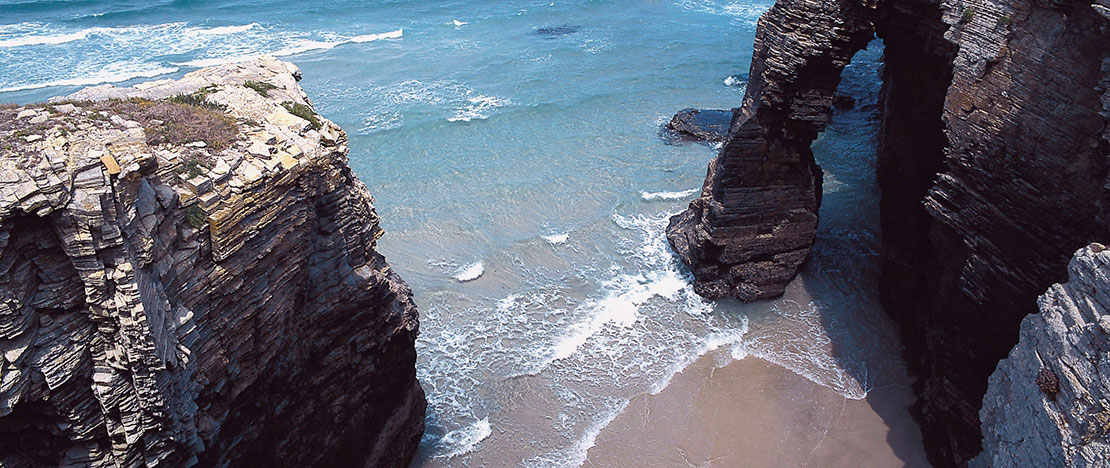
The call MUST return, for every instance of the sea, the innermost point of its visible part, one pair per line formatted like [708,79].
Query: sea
[518,160]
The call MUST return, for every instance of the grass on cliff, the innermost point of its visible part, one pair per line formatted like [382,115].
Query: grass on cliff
[304,112]
[261,87]
[179,120]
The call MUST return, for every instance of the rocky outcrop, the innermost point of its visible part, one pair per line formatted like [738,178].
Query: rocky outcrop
[1048,403]
[753,225]
[174,294]
[994,157]
[708,125]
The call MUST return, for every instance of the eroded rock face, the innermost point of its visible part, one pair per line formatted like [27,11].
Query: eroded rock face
[752,227]
[1048,403]
[1022,186]
[186,304]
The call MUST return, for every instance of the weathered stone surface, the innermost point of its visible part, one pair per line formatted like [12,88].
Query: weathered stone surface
[709,125]
[239,318]
[752,227]
[1048,403]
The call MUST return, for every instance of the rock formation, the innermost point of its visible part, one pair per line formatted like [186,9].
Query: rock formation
[708,125]
[752,227]
[188,277]
[1048,403]
[994,158]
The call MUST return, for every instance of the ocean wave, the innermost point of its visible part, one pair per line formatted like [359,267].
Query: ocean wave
[464,440]
[650,196]
[459,23]
[470,272]
[298,46]
[478,108]
[222,30]
[113,74]
[46,39]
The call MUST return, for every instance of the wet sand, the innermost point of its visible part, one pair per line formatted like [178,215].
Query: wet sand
[751,413]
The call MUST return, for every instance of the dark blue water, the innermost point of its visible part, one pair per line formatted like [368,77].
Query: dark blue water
[513,150]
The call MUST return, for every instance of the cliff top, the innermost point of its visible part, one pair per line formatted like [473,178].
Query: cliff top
[220,131]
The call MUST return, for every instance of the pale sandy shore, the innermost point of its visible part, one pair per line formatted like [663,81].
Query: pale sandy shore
[751,413]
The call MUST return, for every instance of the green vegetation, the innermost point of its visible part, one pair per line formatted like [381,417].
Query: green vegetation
[969,13]
[199,98]
[304,112]
[195,217]
[1005,20]
[194,164]
[260,87]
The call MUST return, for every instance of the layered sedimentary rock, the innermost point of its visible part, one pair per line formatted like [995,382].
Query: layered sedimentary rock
[1048,403]
[708,125]
[216,302]
[753,225]
[994,158]
[1023,185]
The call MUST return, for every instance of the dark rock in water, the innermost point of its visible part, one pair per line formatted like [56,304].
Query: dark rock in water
[710,125]
[845,102]
[557,31]
[748,234]
[160,308]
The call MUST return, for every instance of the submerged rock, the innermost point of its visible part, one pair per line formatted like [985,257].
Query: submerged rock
[556,31]
[169,303]
[1048,403]
[710,125]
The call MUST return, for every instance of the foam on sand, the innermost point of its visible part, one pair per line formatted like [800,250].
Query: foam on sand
[652,196]
[470,272]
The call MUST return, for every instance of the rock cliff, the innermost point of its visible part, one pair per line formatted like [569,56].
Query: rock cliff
[752,227]
[994,158]
[1048,403]
[188,277]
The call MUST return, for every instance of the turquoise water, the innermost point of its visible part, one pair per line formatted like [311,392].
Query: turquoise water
[513,150]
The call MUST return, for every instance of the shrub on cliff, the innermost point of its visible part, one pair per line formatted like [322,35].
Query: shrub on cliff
[176,121]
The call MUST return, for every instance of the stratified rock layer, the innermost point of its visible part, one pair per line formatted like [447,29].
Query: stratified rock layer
[173,305]
[1022,187]
[752,227]
[1048,403]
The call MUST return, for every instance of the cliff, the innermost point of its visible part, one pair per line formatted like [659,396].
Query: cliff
[994,159]
[1047,403]
[188,277]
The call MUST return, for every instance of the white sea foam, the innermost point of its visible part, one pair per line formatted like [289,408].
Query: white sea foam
[113,74]
[464,440]
[470,272]
[650,196]
[298,46]
[222,30]
[716,340]
[459,23]
[375,37]
[478,108]
[556,239]
[733,80]
[48,39]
